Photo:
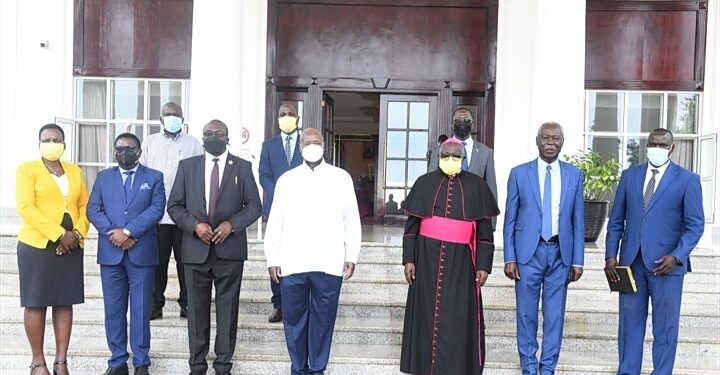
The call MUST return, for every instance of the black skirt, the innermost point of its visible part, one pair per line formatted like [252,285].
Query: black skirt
[48,279]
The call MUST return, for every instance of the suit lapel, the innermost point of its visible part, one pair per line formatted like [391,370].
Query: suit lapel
[532,174]
[639,185]
[475,158]
[118,184]
[201,167]
[297,156]
[227,172]
[137,181]
[665,181]
[564,181]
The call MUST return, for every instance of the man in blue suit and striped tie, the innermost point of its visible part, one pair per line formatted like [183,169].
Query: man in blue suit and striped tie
[279,154]
[125,206]
[656,221]
[544,246]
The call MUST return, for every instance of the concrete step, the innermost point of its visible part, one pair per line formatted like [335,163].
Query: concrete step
[170,357]
[497,287]
[350,330]
[383,273]
[703,260]
[601,312]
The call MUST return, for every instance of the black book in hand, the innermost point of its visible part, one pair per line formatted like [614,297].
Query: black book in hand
[626,284]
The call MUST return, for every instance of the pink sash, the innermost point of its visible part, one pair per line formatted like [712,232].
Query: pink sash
[450,230]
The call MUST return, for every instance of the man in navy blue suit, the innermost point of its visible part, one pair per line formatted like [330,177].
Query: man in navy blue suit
[544,248]
[125,206]
[279,154]
[656,221]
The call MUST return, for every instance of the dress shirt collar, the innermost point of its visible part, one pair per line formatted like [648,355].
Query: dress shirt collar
[318,167]
[468,142]
[542,165]
[661,169]
[174,137]
[293,136]
[223,157]
[133,169]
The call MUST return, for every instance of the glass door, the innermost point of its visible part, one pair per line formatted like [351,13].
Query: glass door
[328,130]
[405,123]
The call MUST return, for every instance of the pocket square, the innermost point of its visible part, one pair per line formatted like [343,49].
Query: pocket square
[145,186]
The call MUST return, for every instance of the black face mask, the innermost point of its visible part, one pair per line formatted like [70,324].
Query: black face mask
[127,159]
[461,129]
[214,145]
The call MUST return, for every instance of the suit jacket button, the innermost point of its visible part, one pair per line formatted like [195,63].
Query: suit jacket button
[125,212]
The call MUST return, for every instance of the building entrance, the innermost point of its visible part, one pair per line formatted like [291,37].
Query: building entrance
[382,140]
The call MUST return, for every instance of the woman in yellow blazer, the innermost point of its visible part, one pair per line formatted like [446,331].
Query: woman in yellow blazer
[51,199]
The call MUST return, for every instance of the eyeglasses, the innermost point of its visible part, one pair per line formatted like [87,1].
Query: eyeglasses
[218,134]
[453,157]
[463,121]
[123,148]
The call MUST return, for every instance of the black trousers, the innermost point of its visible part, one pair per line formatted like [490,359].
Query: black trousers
[169,239]
[226,275]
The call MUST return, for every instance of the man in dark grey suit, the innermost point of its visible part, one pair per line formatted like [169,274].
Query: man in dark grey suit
[214,241]
[478,157]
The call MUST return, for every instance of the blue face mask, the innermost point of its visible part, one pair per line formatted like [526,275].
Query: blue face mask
[657,156]
[173,124]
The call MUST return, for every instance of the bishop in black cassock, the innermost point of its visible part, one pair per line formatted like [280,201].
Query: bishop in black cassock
[447,253]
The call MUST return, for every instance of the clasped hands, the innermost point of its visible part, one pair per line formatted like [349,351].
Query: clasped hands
[480,276]
[69,241]
[120,239]
[207,235]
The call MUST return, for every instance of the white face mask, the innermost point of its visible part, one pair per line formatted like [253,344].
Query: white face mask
[657,156]
[312,153]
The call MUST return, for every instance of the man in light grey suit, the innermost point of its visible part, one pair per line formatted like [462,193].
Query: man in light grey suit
[478,157]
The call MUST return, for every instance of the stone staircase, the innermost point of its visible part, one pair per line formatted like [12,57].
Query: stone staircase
[369,325]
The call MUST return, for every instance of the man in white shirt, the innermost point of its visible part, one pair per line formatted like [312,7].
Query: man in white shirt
[163,151]
[311,245]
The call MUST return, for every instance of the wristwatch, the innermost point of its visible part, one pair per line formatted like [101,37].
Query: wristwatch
[126,232]
[678,261]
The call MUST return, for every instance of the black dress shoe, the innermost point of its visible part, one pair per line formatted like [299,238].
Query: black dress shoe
[142,370]
[183,312]
[156,314]
[116,371]
[276,316]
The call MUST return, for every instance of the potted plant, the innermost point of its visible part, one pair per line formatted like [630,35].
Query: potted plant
[601,178]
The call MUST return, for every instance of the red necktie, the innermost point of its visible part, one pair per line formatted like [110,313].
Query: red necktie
[214,190]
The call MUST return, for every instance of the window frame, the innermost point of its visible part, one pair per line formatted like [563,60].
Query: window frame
[624,135]
[146,122]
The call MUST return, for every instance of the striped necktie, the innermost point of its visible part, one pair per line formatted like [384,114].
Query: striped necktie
[287,148]
[650,189]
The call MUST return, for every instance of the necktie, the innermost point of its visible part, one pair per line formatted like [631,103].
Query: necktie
[287,148]
[214,190]
[650,189]
[547,206]
[128,183]
[465,159]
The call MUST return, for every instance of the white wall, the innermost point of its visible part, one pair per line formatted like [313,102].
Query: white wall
[540,78]
[710,120]
[228,70]
[35,82]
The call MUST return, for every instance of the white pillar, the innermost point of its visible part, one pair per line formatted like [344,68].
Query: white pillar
[710,111]
[540,78]
[227,79]
[36,83]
